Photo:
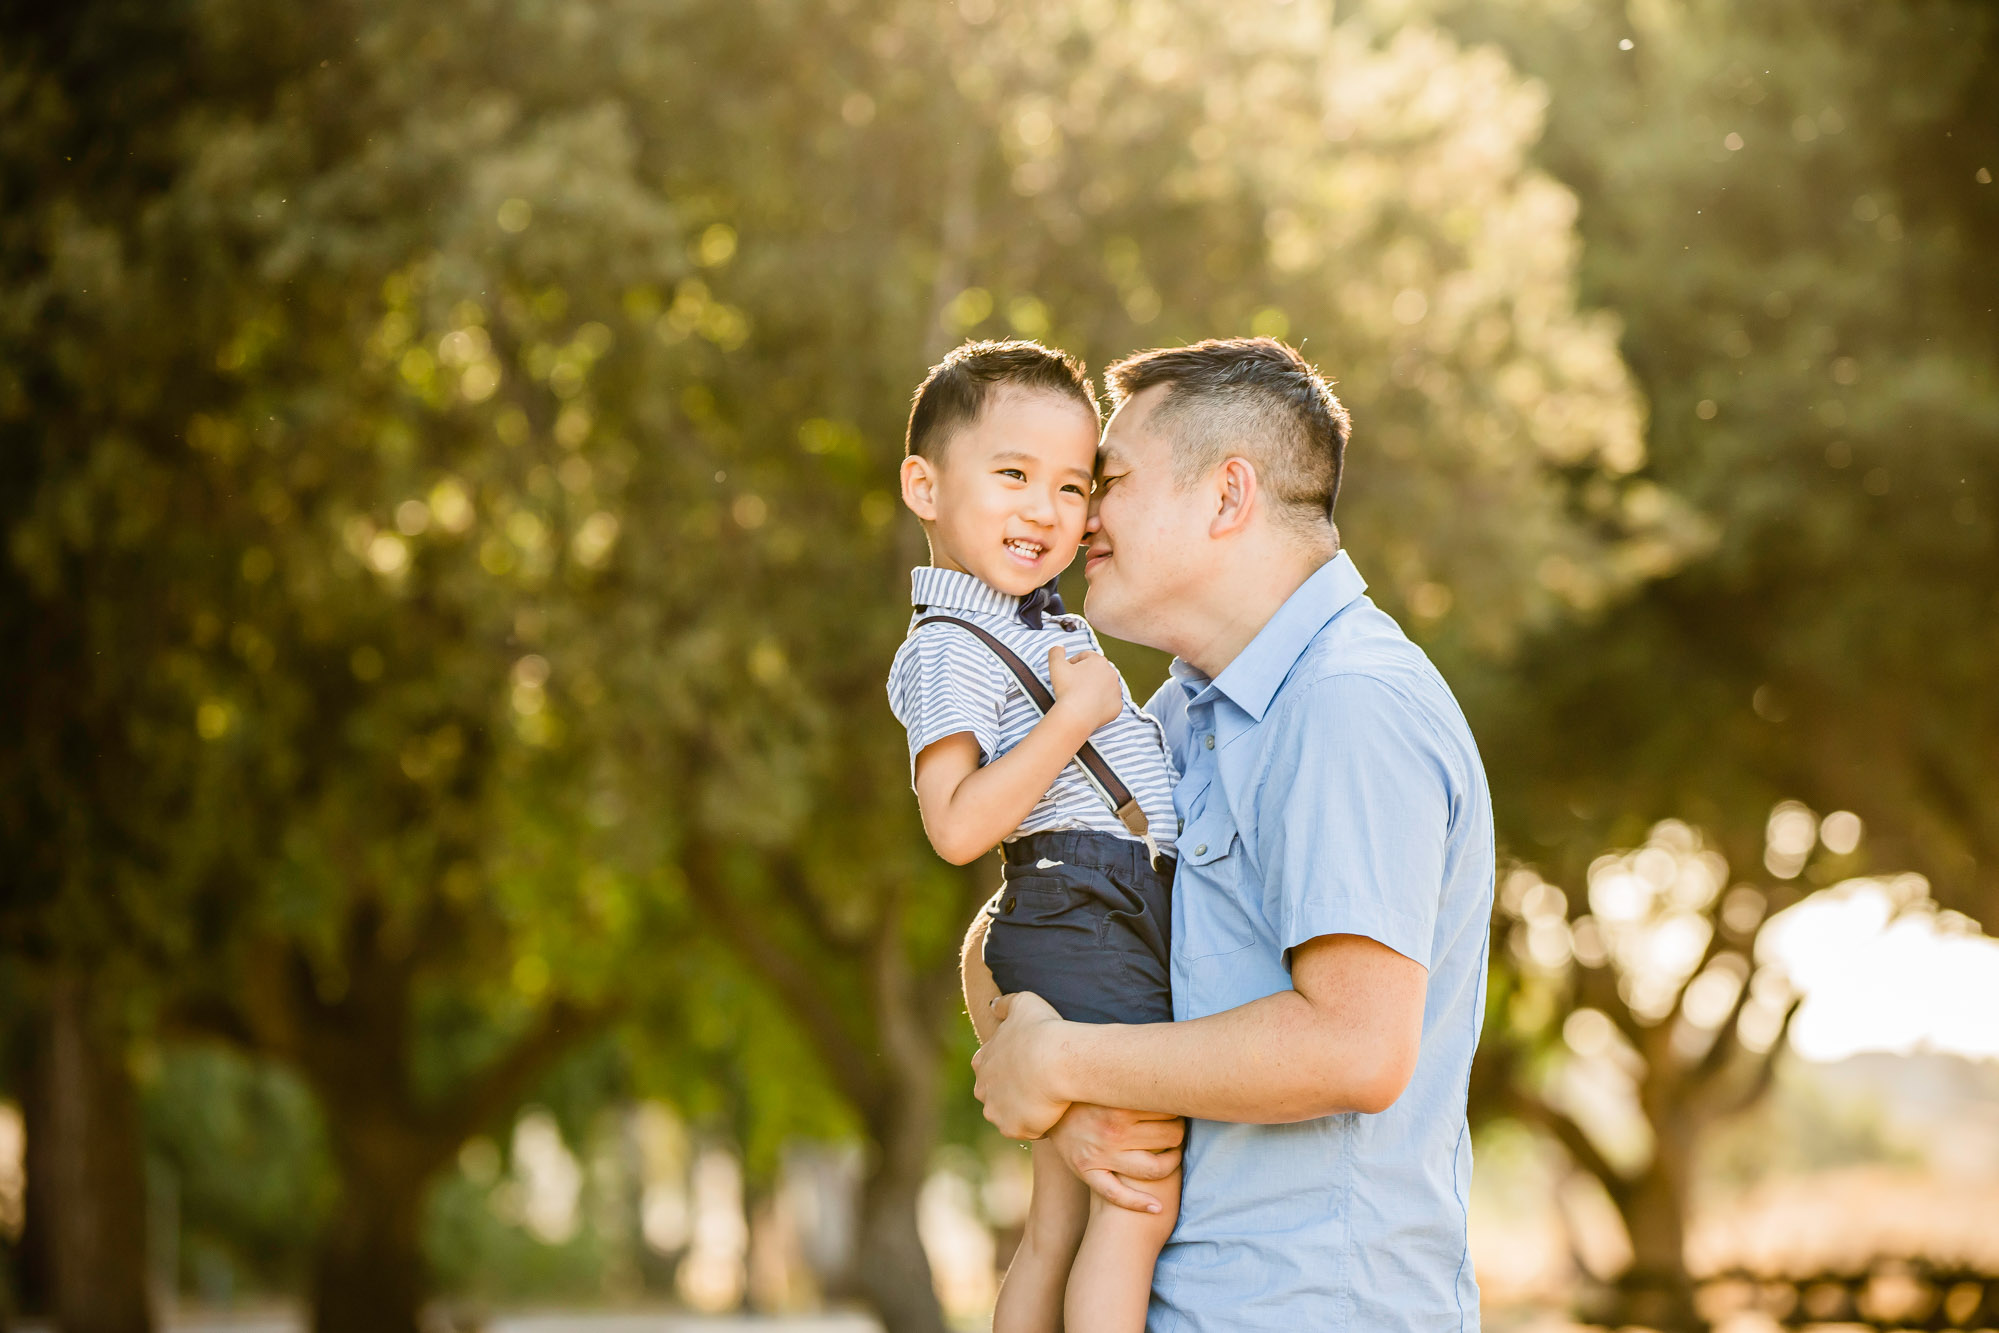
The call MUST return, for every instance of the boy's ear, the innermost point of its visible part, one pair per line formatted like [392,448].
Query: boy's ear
[919,487]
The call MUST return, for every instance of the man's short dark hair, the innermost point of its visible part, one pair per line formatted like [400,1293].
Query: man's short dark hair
[958,388]
[1250,396]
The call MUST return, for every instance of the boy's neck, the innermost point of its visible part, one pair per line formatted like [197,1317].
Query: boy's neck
[942,559]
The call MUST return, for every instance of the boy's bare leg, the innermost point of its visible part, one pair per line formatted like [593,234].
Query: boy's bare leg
[1031,1294]
[980,988]
[1110,1281]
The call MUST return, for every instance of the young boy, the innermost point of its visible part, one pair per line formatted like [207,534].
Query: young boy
[1075,789]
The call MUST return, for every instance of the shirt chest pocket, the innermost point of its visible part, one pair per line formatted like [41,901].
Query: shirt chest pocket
[1208,890]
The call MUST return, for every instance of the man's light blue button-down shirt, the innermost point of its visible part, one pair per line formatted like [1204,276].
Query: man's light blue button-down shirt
[1329,786]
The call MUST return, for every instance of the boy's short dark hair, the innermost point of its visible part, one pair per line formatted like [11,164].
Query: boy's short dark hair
[958,388]
[1256,397]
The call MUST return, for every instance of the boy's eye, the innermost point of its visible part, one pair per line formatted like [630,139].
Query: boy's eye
[1013,472]
[1074,488]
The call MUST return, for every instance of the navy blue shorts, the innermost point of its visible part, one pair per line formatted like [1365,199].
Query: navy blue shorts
[1084,921]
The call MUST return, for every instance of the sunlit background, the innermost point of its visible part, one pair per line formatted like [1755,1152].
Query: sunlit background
[459,865]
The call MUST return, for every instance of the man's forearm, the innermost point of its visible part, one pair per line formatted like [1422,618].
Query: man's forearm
[1273,1061]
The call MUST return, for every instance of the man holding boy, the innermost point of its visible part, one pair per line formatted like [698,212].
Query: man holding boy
[1334,884]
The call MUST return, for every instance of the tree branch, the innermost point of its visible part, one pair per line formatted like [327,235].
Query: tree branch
[502,1084]
[850,1064]
[904,1015]
[1766,1070]
[1574,1141]
[1721,1052]
[1714,948]
[209,1015]
[790,881]
[1596,987]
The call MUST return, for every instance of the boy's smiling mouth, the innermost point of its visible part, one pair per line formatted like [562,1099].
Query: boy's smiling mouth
[1023,549]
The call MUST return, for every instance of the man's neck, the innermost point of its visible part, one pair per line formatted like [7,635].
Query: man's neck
[1235,605]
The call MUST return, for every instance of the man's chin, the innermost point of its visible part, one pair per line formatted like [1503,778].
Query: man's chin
[1102,608]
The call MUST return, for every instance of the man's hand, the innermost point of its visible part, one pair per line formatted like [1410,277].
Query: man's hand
[1086,685]
[1108,1149]
[1014,1067]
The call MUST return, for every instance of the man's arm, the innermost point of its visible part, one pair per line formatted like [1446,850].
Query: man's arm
[1344,1038]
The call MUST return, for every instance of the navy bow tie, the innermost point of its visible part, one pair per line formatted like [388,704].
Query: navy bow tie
[1042,601]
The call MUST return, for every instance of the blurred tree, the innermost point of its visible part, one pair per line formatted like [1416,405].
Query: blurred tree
[1103,177]
[1625,1022]
[1788,207]
[455,522]
[283,768]
[1791,207]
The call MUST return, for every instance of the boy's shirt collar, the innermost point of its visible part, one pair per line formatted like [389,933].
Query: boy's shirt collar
[954,590]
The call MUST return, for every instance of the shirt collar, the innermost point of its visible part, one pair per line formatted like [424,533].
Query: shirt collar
[955,590]
[1253,677]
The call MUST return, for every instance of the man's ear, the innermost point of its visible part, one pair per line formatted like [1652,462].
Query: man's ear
[919,487]
[1237,497]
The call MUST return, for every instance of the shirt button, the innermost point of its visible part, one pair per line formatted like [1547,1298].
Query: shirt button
[1210,742]
[1202,850]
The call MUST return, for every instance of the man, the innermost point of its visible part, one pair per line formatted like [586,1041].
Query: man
[1330,904]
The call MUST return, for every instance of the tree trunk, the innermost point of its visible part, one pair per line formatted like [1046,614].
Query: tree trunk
[890,1267]
[369,1275]
[1656,1291]
[94,1169]
[891,1076]
[34,1282]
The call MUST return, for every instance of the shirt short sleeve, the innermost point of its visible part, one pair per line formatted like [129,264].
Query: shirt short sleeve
[943,682]
[1355,817]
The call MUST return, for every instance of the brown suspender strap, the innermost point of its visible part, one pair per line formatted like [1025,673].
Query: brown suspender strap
[1100,773]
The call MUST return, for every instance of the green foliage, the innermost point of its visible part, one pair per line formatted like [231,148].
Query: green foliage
[246,1154]
[1783,203]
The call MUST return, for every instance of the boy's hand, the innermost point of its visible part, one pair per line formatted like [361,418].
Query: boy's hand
[1086,685]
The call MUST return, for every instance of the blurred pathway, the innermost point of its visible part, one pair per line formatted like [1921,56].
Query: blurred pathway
[673,1323]
[546,1322]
